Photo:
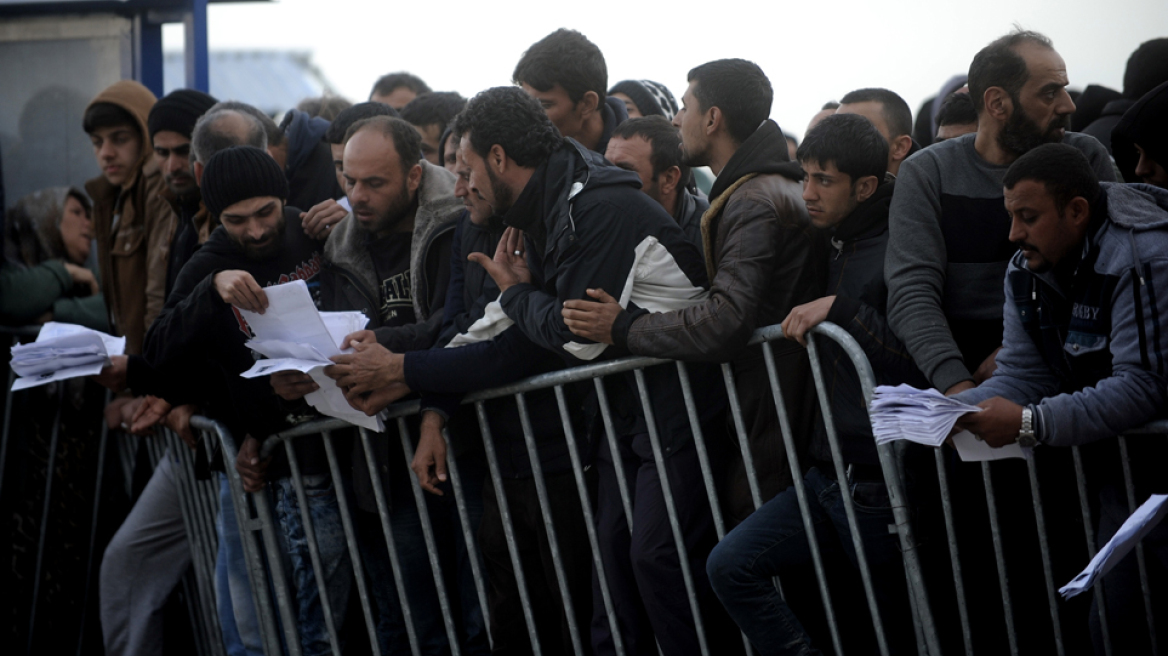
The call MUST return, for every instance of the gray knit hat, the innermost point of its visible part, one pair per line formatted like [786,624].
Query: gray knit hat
[652,98]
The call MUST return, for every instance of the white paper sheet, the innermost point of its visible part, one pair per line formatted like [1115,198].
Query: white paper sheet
[907,413]
[972,449]
[1142,521]
[62,351]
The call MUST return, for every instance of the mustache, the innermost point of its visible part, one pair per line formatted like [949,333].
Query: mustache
[1027,246]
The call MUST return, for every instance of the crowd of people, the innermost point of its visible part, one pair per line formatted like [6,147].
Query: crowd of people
[985,250]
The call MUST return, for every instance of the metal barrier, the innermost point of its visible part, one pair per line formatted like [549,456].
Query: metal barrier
[199,506]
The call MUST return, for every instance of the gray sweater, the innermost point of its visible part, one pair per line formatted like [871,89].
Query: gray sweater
[947,253]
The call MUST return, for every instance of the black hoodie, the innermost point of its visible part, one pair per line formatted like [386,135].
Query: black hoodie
[1146,124]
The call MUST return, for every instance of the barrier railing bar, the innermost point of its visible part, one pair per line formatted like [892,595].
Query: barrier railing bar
[313,547]
[1089,531]
[1000,557]
[194,614]
[285,600]
[431,543]
[743,438]
[197,533]
[44,527]
[801,496]
[837,458]
[390,544]
[101,447]
[1044,549]
[618,642]
[954,550]
[614,449]
[671,511]
[468,535]
[1130,488]
[508,527]
[350,540]
[545,509]
[7,419]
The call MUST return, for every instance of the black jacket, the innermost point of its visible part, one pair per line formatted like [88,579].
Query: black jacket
[856,279]
[1146,124]
[312,177]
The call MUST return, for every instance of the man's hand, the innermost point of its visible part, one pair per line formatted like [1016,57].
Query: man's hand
[369,367]
[509,266]
[251,469]
[320,219]
[179,421]
[987,367]
[960,387]
[431,454]
[997,424]
[805,317]
[83,276]
[149,413]
[293,385]
[120,412]
[374,402]
[240,289]
[359,337]
[113,375]
[592,320]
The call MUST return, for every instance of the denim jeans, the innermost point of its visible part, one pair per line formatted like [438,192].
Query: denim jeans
[334,557]
[773,542]
[237,615]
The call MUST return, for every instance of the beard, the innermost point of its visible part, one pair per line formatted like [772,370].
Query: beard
[504,197]
[693,157]
[1020,134]
[270,244]
[397,210]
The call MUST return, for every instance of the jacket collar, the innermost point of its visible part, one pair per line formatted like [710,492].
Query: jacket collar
[764,151]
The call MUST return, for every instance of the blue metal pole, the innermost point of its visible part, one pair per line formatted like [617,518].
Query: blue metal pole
[195,55]
[150,56]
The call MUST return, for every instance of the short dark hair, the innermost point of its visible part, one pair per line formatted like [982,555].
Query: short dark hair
[1000,65]
[406,140]
[507,116]
[390,81]
[272,129]
[567,58]
[737,87]
[896,112]
[1063,170]
[326,106]
[663,138]
[831,104]
[851,142]
[1147,68]
[108,115]
[433,108]
[336,133]
[957,109]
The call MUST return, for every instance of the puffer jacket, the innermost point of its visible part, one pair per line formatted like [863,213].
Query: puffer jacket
[132,251]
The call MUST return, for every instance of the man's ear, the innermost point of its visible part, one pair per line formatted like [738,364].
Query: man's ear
[197,167]
[668,180]
[998,103]
[497,159]
[900,147]
[714,120]
[1078,211]
[865,187]
[589,103]
[414,179]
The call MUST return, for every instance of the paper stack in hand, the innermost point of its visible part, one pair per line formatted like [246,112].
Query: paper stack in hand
[295,336]
[1141,522]
[927,417]
[63,350]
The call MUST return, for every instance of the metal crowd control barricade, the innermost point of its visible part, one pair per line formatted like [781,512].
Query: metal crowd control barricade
[277,610]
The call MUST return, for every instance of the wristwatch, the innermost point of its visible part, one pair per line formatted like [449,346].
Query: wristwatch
[1026,435]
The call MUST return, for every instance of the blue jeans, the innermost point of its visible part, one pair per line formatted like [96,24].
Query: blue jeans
[334,557]
[773,542]
[237,615]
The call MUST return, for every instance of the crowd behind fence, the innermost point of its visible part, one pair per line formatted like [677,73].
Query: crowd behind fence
[948,583]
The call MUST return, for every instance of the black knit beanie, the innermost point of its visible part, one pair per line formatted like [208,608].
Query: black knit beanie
[239,173]
[177,111]
[652,98]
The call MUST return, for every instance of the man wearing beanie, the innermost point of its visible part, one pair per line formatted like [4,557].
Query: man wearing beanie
[645,98]
[260,242]
[171,122]
[132,223]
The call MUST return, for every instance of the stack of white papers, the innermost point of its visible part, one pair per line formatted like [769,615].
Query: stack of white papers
[1142,521]
[295,336]
[927,417]
[63,350]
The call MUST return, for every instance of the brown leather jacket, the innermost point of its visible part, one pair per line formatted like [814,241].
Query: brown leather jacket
[132,251]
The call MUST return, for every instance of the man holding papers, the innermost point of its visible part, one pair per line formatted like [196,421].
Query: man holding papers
[1083,356]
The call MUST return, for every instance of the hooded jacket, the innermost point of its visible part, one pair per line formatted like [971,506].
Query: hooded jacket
[688,214]
[193,225]
[1146,124]
[349,278]
[587,225]
[614,111]
[133,226]
[311,176]
[1091,357]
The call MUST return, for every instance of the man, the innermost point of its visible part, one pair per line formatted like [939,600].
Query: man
[308,162]
[956,117]
[430,113]
[651,148]
[1081,357]
[758,245]
[828,109]
[335,136]
[1140,140]
[845,158]
[645,98]
[1147,68]
[397,89]
[890,114]
[132,222]
[567,74]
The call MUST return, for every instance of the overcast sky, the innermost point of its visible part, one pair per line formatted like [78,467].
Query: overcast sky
[812,52]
